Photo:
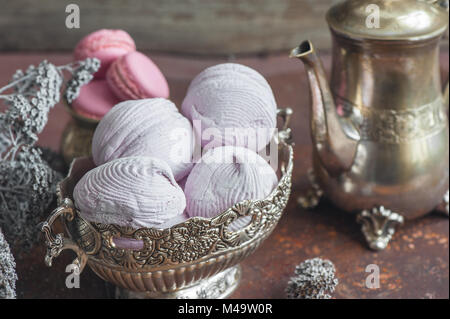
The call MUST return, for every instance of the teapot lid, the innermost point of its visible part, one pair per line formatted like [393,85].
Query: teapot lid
[410,20]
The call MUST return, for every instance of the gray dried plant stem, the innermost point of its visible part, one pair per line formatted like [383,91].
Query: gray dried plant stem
[8,276]
[313,279]
[27,182]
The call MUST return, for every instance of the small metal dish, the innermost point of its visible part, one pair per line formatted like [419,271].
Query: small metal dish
[76,139]
[198,258]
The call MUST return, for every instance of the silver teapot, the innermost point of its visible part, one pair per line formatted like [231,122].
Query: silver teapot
[380,128]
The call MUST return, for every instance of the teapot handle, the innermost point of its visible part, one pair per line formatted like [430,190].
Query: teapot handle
[445,94]
[443,4]
[56,243]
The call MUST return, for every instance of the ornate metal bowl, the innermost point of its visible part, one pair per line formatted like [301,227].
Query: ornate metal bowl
[198,258]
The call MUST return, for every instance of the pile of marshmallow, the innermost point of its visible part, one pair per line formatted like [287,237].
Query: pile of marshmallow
[147,172]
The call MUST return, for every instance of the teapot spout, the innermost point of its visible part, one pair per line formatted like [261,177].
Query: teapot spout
[334,148]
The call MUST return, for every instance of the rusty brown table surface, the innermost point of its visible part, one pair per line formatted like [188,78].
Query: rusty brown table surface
[415,265]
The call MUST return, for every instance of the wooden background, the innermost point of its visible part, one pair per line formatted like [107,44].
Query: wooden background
[198,27]
[207,27]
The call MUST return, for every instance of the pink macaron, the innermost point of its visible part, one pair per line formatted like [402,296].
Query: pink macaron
[95,100]
[105,45]
[135,76]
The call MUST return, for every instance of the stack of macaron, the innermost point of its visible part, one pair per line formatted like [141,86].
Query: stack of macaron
[144,149]
[124,74]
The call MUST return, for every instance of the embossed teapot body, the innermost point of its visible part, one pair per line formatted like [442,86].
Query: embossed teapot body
[380,129]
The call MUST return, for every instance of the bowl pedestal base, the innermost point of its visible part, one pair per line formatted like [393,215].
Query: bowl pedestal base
[218,286]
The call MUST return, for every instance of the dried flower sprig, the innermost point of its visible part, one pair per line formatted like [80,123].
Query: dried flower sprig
[81,76]
[8,276]
[314,279]
[27,183]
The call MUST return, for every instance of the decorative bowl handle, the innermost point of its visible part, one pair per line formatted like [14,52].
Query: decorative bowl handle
[57,243]
[285,134]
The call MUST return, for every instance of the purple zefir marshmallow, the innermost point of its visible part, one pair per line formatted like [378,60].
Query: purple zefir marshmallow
[234,105]
[132,191]
[226,176]
[147,127]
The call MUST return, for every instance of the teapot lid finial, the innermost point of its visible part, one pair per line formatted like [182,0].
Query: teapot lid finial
[409,20]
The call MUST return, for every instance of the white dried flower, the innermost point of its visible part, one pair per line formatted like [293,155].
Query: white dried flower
[314,279]
[27,182]
[27,187]
[81,76]
[8,276]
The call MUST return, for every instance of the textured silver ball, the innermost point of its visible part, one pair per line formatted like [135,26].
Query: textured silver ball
[314,279]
